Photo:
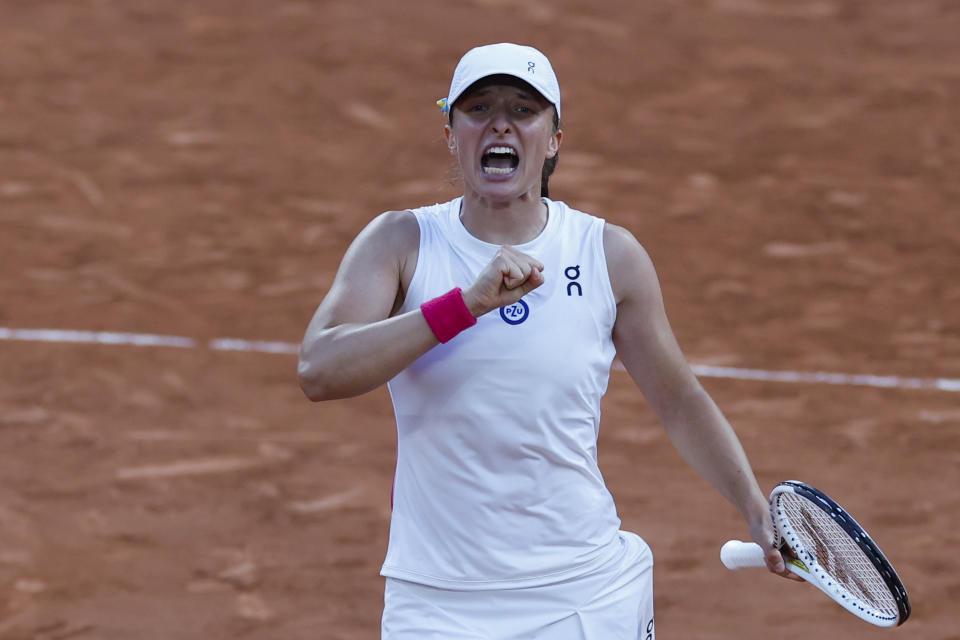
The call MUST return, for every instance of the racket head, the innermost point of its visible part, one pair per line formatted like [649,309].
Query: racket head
[841,558]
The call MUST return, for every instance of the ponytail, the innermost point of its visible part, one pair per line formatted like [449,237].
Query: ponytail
[550,164]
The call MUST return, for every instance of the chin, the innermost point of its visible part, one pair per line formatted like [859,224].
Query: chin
[502,191]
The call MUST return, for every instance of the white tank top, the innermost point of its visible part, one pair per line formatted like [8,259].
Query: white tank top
[497,483]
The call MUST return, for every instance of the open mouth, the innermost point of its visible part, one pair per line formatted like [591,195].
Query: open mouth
[500,160]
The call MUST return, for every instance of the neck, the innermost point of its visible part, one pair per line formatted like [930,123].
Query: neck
[514,222]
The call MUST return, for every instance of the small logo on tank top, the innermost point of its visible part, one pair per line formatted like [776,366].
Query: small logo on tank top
[515,313]
[572,274]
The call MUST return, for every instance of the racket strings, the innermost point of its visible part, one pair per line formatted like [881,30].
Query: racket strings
[837,554]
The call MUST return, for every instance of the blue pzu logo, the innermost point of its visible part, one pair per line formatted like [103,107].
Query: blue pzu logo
[515,313]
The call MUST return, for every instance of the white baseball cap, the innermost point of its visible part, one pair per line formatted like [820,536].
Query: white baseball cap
[525,63]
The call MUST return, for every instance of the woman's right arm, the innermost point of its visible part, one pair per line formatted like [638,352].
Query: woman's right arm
[352,345]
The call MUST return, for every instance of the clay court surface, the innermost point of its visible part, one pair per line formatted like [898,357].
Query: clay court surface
[197,169]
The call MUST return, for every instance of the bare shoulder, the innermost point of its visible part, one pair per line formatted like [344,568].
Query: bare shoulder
[628,263]
[392,239]
[401,220]
[394,229]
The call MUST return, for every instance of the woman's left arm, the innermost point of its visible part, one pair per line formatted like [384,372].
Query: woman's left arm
[648,349]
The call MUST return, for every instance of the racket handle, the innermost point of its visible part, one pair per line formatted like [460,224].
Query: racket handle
[735,554]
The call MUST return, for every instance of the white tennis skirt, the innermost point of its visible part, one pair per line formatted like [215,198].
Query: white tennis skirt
[615,603]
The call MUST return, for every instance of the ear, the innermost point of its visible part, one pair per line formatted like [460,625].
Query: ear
[450,138]
[553,145]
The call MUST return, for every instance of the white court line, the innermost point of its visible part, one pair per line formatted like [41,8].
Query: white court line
[96,337]
[823,377]
[235,344]
[264,346]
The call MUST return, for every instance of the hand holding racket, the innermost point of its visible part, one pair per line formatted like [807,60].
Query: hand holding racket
[822,544]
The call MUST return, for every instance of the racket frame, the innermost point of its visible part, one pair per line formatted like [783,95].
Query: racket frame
[807,566]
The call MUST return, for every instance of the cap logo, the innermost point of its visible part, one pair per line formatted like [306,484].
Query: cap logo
[530,67]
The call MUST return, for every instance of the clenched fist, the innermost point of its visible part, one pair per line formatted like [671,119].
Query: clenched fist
[507,278]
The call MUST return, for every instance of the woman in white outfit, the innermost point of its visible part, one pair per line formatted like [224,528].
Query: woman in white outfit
[494,319]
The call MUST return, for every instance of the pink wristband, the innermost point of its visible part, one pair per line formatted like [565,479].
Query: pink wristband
[447,315]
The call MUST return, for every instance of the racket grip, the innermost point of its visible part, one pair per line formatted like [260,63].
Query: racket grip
[735,554]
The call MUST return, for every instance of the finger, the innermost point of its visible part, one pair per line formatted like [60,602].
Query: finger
[514,278]
[522,261]
[778,566]
[507,264]
[535,280]
[528,262]
[516,274]
[775,561]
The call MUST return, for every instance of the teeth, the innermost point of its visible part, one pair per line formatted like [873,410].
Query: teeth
[503,171]
[507,150]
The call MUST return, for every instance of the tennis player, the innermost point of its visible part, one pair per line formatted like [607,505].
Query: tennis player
[494,320]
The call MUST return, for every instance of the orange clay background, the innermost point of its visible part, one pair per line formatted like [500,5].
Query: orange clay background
[198,169]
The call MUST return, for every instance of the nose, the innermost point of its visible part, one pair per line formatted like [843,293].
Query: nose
[500,122]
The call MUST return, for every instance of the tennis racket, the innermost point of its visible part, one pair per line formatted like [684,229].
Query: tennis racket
[822,544]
